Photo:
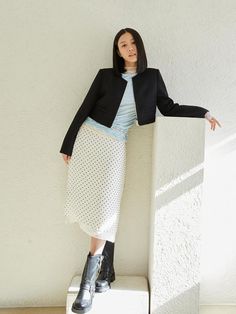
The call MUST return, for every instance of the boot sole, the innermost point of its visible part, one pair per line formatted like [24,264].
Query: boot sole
[81,311]
[100,290]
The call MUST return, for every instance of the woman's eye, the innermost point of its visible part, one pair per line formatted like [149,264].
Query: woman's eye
[125,44]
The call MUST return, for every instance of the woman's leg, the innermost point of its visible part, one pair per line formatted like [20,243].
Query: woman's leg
[84,299]
[107,273]
[96,246]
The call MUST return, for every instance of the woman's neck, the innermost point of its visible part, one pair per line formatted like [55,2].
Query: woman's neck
[130,69]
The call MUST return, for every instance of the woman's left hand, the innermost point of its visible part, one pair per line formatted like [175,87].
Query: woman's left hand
[213,123]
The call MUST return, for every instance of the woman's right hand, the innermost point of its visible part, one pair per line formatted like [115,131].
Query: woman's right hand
[66,158]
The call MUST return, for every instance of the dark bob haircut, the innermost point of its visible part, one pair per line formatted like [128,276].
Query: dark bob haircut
[118,62]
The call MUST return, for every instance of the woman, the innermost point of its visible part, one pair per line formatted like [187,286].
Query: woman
[97,136]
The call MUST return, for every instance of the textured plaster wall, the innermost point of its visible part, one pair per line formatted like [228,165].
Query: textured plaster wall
[174,256]
[50,52]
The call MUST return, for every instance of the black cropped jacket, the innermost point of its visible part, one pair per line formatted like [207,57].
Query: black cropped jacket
[104,96]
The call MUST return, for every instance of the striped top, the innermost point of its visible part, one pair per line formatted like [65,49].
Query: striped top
[126,114]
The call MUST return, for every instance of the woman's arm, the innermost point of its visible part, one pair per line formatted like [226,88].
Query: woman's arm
[167,106]
[81,115]
[208,115]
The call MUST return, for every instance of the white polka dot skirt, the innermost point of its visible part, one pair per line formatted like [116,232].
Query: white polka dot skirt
[96,177]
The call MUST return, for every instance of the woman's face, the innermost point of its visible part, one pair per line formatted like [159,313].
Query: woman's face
[127,49]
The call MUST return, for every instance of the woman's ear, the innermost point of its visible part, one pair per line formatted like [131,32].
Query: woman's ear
[118,52]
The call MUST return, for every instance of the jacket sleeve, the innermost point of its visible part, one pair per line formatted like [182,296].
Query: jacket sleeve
[82,113]
[167,106]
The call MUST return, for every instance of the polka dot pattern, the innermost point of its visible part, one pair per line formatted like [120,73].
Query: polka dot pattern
[95,182]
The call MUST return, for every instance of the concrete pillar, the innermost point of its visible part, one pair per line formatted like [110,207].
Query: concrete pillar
[174,255]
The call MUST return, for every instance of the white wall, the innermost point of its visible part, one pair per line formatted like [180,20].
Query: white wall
[50,52]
